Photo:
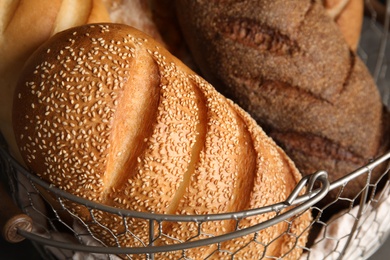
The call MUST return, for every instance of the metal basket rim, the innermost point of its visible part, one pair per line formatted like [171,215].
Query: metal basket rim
[300,203]
[311,197]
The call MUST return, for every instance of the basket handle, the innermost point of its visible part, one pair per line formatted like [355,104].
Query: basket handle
[12,218]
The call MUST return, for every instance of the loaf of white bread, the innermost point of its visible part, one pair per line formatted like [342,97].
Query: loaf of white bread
[104,112]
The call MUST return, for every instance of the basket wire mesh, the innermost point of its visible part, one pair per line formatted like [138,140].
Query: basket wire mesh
[300,202]
[367,215]
[50,227]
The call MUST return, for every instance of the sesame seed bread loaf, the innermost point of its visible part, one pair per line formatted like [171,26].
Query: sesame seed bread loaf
[288,65]
[104,112]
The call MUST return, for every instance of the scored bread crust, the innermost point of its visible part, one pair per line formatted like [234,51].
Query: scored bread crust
[104,112]
[26,24]
[287,64]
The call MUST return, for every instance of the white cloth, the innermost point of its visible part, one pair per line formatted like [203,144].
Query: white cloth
[373,226]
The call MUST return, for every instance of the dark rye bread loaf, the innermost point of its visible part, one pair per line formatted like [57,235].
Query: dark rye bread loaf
[289,66]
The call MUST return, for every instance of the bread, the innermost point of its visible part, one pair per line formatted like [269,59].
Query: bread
[136,13]
[164,17]
[106,113]
[288,65]
[348,14]
[24,26]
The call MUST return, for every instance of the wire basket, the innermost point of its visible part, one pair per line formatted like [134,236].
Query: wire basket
[354,233]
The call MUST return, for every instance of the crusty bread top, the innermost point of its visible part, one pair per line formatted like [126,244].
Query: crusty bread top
[104,98]
[293,50]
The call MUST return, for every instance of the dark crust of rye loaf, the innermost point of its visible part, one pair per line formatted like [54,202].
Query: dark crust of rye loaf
[287,64]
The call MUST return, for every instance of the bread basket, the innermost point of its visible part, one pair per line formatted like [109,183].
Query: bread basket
[365,221]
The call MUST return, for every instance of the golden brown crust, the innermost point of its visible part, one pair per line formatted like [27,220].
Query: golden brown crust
[86,122]
[287,64]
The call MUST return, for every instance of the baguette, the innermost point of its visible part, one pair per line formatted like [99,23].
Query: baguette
[104,112]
